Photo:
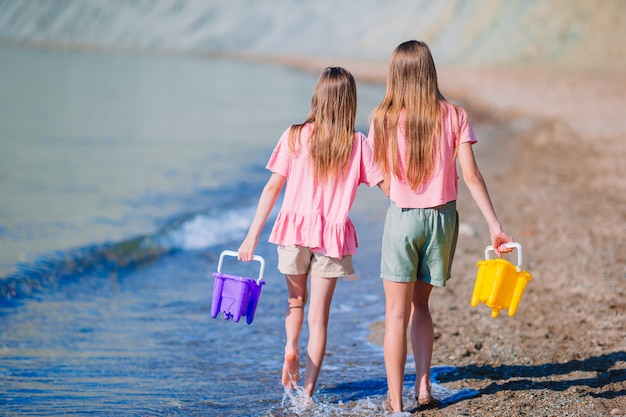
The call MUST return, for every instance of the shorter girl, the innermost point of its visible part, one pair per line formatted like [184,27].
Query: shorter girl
[418,137]
[323,160]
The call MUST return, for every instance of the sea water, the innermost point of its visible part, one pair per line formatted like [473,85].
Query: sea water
[122,178]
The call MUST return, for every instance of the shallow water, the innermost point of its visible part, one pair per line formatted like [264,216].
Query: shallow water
[96,148]
[143,342]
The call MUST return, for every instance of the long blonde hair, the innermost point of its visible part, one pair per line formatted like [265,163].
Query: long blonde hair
[333,110]
[411,87]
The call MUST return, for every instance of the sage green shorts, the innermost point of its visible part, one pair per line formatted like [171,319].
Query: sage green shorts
[419,243]
[297,260]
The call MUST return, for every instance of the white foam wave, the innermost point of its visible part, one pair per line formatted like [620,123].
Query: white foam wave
[203,230]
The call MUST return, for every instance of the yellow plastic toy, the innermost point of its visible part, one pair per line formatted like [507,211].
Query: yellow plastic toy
[499,284]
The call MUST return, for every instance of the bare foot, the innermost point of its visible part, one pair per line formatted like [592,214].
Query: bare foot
[423,393]
[426,402]
[291,374]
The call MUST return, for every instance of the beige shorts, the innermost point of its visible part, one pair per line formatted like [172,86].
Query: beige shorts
[297,260]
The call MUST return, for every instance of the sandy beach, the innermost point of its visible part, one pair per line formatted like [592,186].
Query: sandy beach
[552,156]
[558,186]
[562,197]
[561,193]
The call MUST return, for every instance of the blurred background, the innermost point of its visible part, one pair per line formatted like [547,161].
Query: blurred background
[560,34]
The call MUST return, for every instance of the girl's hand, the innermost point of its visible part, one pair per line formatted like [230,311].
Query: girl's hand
[498,241]
[246,250]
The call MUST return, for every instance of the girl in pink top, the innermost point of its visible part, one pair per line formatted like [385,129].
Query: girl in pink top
[323,160]
[417,137]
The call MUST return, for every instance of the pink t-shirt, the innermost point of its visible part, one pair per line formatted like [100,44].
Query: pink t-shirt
[443,185]
[315,214]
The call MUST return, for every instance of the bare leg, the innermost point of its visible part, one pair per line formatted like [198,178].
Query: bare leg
[294,317]
[397,313]
[322,290]
[422,336]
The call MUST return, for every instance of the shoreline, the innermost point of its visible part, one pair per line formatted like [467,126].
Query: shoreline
[558,189]
[546,94]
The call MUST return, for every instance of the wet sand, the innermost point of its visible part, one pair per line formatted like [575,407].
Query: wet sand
[557,179]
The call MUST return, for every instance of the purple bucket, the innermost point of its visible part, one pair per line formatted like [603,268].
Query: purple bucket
[236,296]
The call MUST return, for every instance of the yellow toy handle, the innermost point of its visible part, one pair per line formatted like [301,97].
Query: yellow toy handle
[512,245]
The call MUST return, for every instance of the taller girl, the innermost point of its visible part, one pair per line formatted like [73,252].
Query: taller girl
[417,137]
[323,160]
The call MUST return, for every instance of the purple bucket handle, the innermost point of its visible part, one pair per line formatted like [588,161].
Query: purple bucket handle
[233,295]
[235,254]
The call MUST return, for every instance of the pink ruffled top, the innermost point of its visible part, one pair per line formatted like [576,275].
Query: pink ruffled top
[314,214]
